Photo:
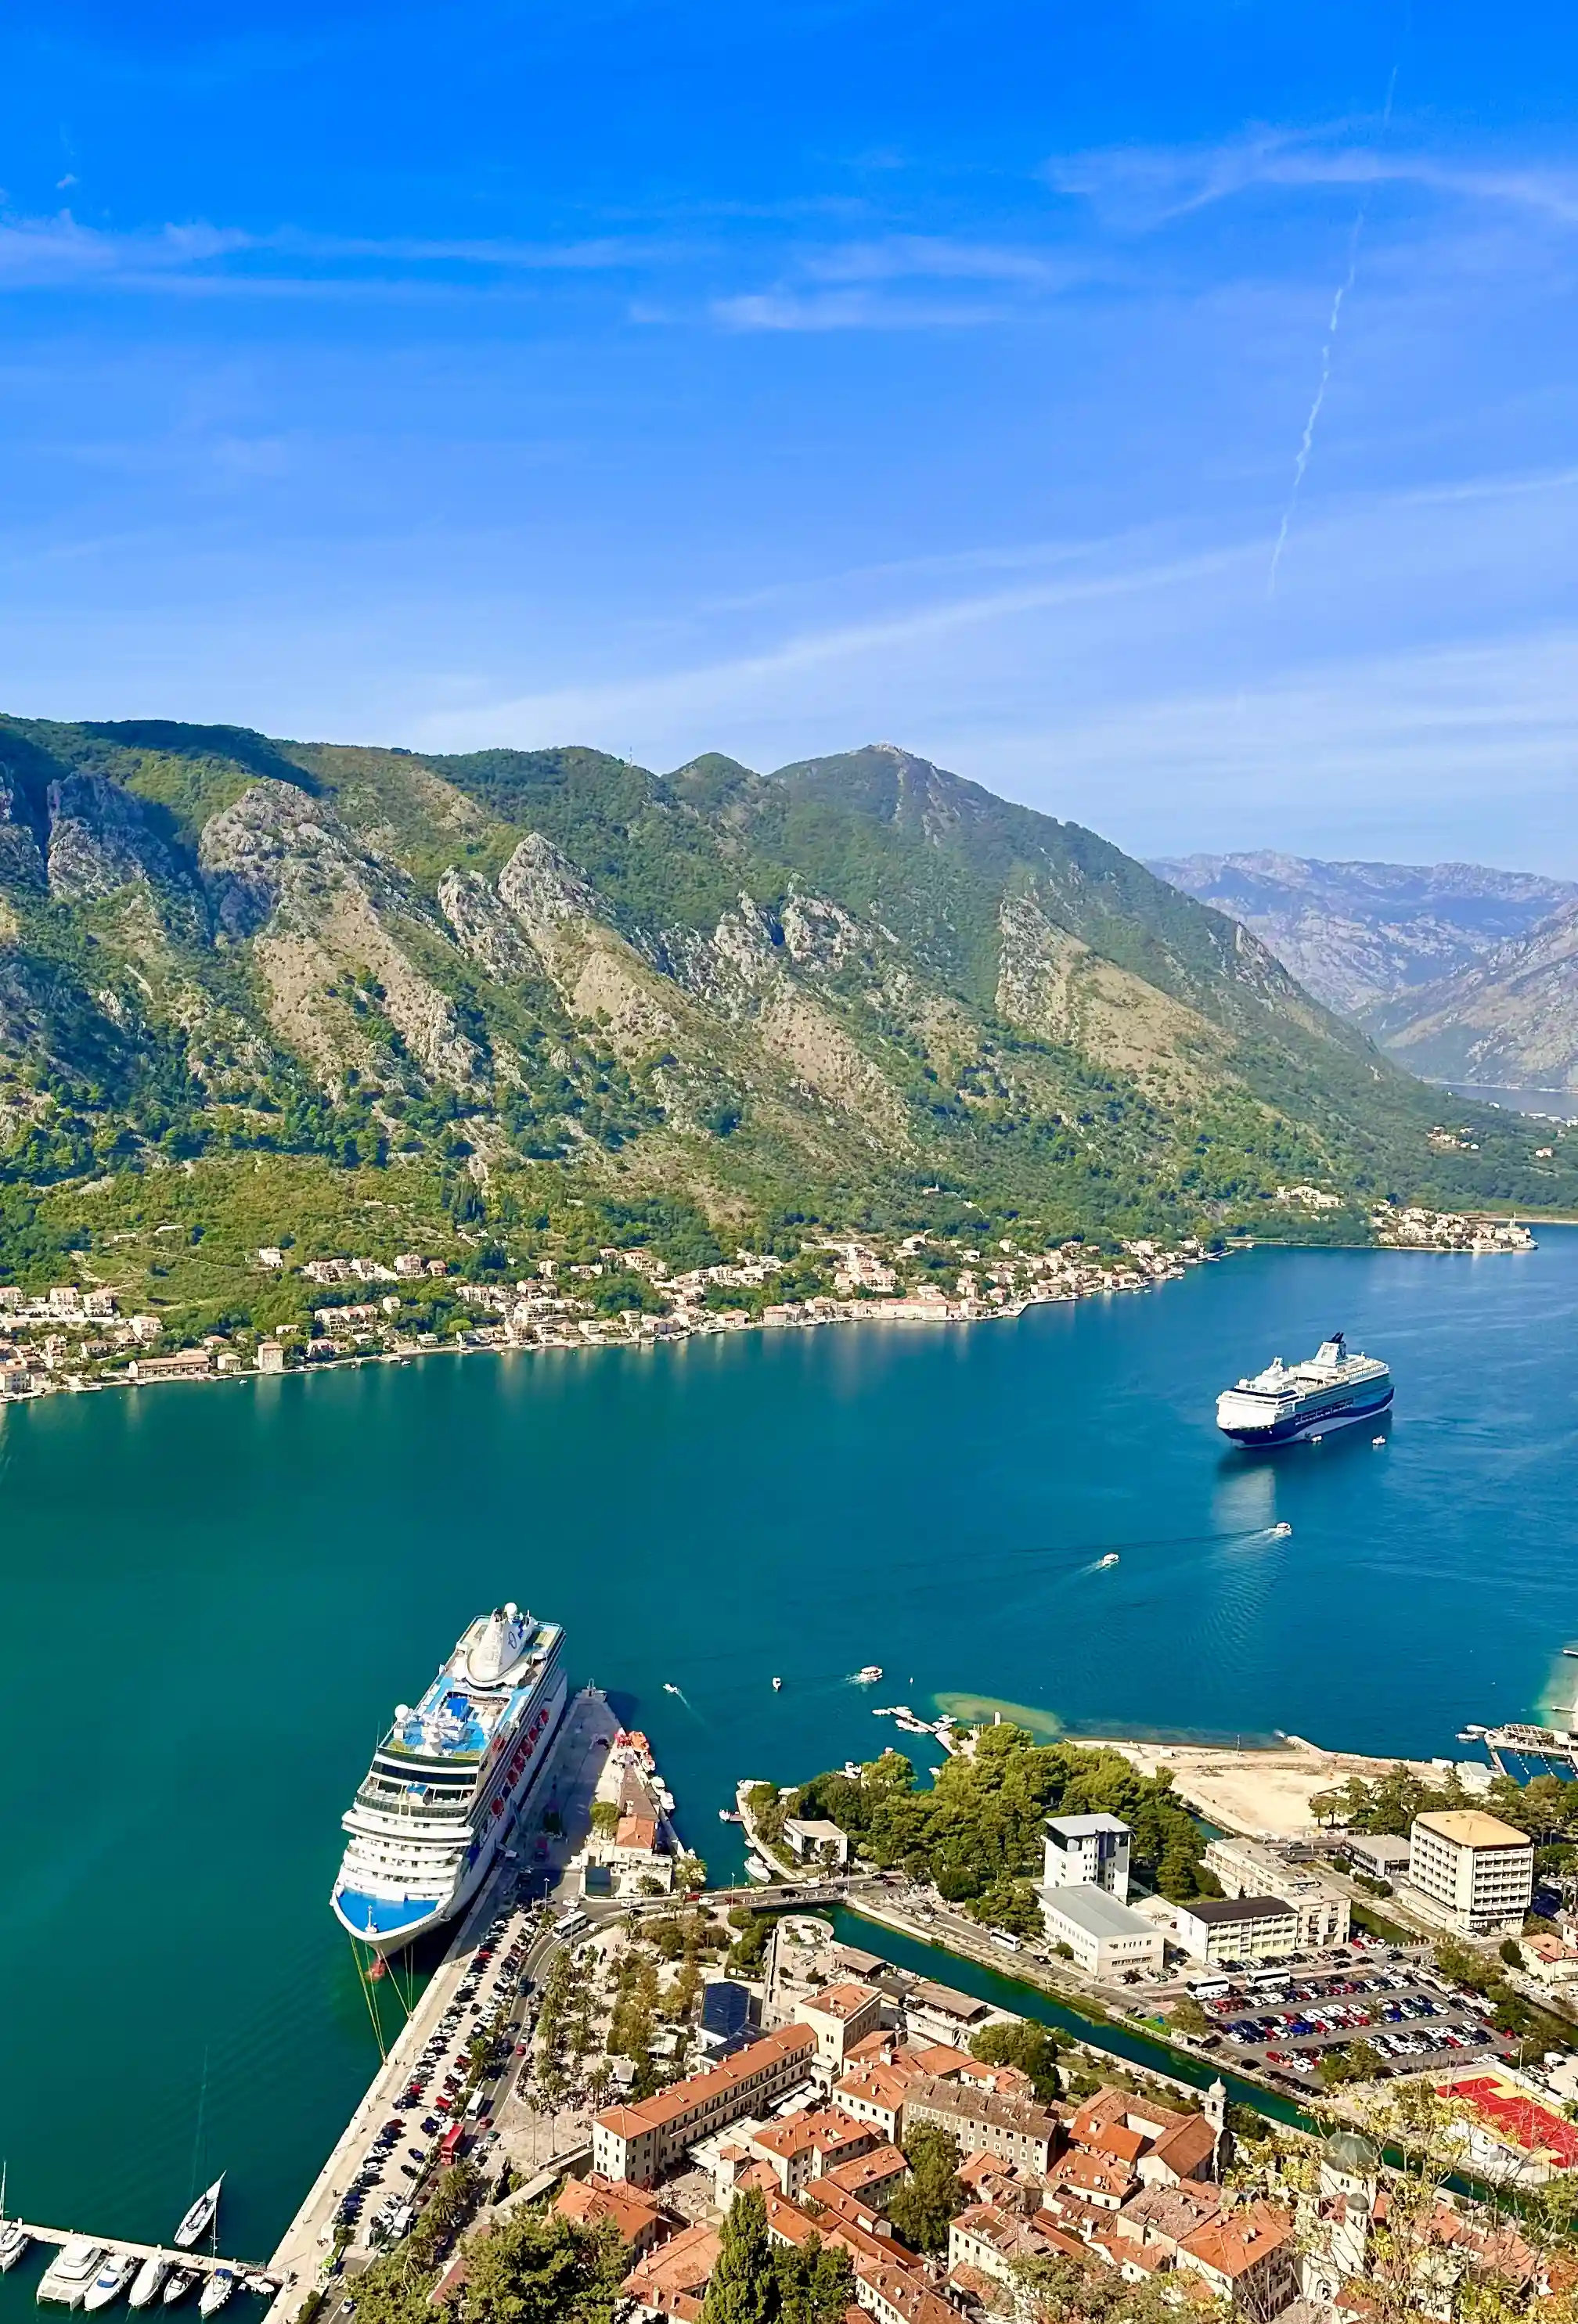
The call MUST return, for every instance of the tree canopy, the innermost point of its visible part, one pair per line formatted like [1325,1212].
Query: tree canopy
[976,1831]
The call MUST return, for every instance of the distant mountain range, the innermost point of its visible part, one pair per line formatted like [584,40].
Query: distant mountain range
[1462,972]
[273,987]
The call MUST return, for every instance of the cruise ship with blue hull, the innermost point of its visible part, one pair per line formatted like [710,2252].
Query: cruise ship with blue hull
[1288,1403]
[450,1779]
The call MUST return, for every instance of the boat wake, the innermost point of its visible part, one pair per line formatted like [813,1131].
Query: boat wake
[680,1696]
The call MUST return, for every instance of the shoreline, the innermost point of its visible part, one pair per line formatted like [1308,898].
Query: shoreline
[1150,1268]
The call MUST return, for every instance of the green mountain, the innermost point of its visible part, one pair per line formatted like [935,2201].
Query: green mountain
[272,987]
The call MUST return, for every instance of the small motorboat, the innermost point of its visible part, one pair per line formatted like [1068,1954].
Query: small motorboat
[756,1868]
[201,2216]
[778,1686]
[217,2290]
[15,2240]
[868,1674]
[1281,1529]
[110,2281]
[150,2279]
[669,1687]
[1110,1559]
[1376,1443]
[177,2283]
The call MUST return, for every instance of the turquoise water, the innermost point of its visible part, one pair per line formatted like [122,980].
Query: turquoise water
[211,1597]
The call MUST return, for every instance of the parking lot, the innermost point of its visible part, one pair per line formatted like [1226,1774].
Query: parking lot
[1411,2017]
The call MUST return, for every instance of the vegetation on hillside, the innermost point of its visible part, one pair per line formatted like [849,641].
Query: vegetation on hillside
[858,994]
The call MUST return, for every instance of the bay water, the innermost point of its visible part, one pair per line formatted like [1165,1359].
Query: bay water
[210,1598]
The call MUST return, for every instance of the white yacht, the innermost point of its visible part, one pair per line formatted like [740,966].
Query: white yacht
[217,2290]
[450,1779]
[150,2279]
[109,2284]
[15,2240]
[70,2275]
[1285,1403]
[201,2216]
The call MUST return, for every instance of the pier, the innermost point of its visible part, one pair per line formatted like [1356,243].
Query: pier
[588,1727]
[122,2246]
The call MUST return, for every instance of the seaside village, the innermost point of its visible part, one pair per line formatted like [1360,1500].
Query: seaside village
[77,1338]
[969,2164]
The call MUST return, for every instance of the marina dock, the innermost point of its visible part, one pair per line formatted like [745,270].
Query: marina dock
[208,2262]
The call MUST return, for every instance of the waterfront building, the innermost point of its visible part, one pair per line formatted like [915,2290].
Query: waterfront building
[1164,2146]
[1087,1852]
[935,2013]
[839,2015]
[812,1839]
[271,1356]
[1248,1867]
[1106,1939]
[639,2142]
[1479,1869]
[1220,1929]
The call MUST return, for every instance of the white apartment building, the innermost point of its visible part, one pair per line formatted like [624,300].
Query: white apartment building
[1248,1867]
[1221,1929]
[1105,1938]
[1087,1852]
[1479,1869]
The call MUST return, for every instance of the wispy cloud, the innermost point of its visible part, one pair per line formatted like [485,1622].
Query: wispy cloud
[1136,187]
[848,286]
[62,251]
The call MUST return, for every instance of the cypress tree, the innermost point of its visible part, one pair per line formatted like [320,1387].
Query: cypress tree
[743,2289]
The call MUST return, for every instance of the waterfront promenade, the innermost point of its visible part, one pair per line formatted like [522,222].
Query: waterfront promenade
[566,1785]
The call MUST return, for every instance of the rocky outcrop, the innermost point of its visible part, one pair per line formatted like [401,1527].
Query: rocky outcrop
[101,838]
[280,868]
[484,928]
[545,892]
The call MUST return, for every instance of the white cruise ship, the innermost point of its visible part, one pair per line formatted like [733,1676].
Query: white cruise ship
[448,1780]
[1331,1390]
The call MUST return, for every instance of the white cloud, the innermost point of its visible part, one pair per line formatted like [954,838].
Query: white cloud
[1138,187]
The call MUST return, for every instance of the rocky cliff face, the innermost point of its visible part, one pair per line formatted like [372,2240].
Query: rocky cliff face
[861,973]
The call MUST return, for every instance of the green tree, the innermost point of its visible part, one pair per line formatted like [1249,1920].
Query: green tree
[816,2282]
[1033,2049]
[543,2270]
[932,2194]
[744,2286]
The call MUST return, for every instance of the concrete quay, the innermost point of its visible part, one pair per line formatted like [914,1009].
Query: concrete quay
[565,1786]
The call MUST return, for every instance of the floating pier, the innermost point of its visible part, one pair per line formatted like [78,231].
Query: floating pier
[122,2246]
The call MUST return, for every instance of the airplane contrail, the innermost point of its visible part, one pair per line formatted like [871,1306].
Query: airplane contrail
[1333,324]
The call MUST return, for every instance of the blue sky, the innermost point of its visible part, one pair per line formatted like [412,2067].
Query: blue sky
[777,377]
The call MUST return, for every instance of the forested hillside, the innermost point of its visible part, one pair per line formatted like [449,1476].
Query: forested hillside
[258,989]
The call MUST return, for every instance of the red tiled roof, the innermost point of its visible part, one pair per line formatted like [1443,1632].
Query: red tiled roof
[682,2097]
